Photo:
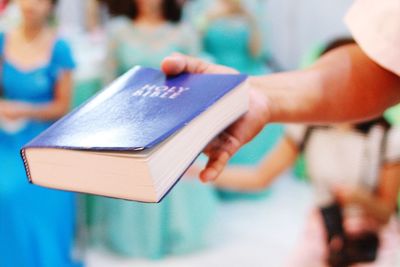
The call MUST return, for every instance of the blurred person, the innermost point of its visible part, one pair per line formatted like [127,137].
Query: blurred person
[37,225]
[146,32]
[355,172]
[231,36]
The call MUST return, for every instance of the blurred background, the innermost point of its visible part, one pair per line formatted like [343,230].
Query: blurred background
[197,224]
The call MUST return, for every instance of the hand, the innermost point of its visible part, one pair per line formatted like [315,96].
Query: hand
[224,146]
[13,110]
[349,195]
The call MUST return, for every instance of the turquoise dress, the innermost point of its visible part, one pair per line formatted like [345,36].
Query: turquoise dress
[227,40]
[36,224]
[178,224]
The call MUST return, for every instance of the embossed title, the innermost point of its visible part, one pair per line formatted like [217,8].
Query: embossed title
[163,91]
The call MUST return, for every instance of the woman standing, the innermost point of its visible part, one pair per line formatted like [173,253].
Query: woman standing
[148,31]
[36,224]
[231,37]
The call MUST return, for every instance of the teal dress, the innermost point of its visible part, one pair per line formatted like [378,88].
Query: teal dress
[178,224]
[227,40]
[36,224]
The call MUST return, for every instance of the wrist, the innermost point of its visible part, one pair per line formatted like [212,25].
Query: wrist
[262,100]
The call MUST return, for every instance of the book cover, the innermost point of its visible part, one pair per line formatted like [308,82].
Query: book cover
[137,112]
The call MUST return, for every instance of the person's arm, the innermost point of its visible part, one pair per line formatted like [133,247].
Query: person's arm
[380,205]
[49,111]
[92,15]
[255,42]
[254,179]
[344,85]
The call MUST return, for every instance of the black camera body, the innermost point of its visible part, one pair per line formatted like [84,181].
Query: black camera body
[345,250]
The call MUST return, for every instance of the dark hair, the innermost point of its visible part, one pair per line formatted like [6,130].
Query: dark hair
[337,42]
[365,127]
[171,9]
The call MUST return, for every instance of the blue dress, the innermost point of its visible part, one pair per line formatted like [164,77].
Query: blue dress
[36,224]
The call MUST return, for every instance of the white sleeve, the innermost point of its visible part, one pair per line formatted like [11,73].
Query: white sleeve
[296,133]
[392,150]
[375,26]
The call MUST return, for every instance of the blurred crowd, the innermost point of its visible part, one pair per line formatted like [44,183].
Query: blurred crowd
[54,55]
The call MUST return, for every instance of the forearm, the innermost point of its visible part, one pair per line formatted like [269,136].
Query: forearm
[380,204]
[375,207]
[388,190]
[344,85]
[258,178]
[24,110]
[45,112]
[240,179]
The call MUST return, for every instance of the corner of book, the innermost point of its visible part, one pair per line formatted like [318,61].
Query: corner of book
[26,166]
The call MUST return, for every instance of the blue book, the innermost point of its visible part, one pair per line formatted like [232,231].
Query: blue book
[135,138]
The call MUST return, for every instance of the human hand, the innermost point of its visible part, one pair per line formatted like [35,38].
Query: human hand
[349,195]
[12,111]
[225,145]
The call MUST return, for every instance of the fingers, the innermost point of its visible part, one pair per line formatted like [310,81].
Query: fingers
[173,64]
[178,63]
[219,152]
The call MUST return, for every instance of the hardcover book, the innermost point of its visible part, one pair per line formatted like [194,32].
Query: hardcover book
[136,138]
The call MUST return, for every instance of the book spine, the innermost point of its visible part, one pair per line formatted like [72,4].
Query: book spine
[26,165]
